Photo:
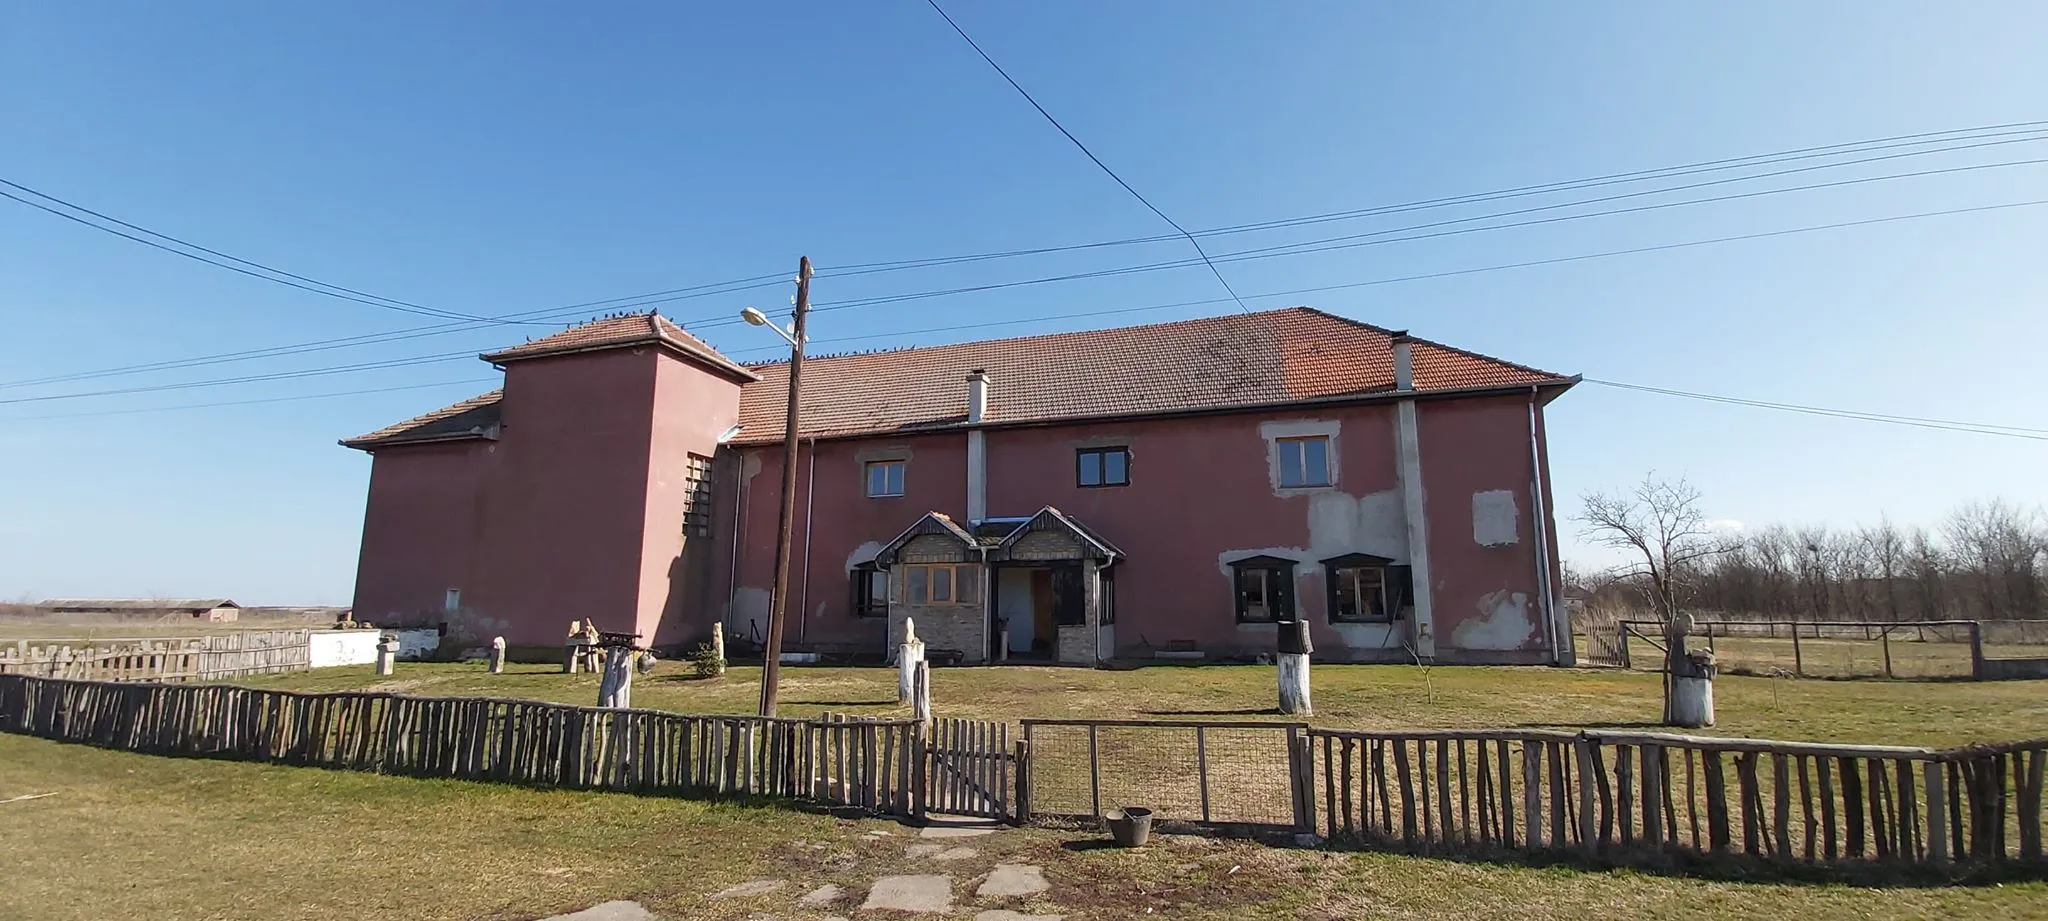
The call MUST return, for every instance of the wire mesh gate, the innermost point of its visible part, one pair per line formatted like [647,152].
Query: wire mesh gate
[1245,773]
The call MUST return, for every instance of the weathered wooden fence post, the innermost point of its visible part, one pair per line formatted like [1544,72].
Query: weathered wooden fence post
[497,655]
[1293,661]
[921,693]
[908,657]
[387,655]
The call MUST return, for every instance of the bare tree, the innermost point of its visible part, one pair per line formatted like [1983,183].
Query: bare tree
[1660,525]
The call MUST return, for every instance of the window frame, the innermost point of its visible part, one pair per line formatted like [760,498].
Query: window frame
[697,498]
[1283,442]
[954,584]
[1101,455]
[1276,590]
[869,468]
[1396,588]
[865,604]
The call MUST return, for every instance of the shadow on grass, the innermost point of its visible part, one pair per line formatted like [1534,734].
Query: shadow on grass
[843,703]
[1245,711]
[1731,868]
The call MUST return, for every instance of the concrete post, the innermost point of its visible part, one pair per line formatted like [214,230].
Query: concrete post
[387,655]
[1692,688]
[615,690]
[572,658]
[1293,672]
[497,655]
[718,644]
[908,657]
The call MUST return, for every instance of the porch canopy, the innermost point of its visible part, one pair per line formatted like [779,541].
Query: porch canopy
[1047,536]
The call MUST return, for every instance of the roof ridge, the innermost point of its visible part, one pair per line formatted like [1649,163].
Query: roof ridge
[1431,342]
[1212,318]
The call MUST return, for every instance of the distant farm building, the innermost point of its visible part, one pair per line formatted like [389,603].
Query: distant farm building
[210,610]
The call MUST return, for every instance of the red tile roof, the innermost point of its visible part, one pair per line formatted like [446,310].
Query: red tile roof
[1270,358]
[620,332]
[475,417]
[1267,359]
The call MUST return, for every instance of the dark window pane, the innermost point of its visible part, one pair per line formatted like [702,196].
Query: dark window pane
[1315,461]
[968,583]
[1091,468]
[942,583]
[1116,469]
[1290,462]
[895,478]
[914,588]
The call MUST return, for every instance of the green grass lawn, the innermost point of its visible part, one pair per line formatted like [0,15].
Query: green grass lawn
[1936,714]
[140,836]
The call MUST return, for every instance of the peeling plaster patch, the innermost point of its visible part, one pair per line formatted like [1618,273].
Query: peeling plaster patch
[749,606]
[865,553]
[1340,523]
[1503,623]
[750,465]
[1493,518]
[1369,636]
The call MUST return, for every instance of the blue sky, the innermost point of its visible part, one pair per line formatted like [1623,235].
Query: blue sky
[491,158]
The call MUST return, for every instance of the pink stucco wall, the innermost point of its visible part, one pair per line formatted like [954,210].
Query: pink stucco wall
[691,409]
[419,530]
[1200,495]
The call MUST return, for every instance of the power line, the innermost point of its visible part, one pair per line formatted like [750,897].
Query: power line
[290,399]
[1197,244]
[1978,428]
[1352,241]
[253,378]
[1783,156]
[339,291]
[1452,273]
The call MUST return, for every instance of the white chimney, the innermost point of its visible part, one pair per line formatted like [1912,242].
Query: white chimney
[977,395]
[1404,361]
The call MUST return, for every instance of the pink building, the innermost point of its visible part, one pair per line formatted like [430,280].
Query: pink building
[1153,492]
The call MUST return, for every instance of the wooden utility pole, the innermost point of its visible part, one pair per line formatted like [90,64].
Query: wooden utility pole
[778,603]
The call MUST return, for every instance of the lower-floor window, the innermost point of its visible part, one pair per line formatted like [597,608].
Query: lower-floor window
[1265,589]
[942,583]
[870,591]
[1365,588]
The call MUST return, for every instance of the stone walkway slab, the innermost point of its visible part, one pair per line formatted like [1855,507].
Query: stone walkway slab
[923,893]
[954,831]
[1004,914]
[1014,879]
[609,911]
[821,896]
[751,888]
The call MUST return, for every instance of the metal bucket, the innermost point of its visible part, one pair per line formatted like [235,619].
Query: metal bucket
[1131,827]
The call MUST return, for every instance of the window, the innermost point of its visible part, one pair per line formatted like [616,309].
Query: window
[1265,589]
[885,478]
[870,591]
[1105,605]
[1366,588]
[697,497]
[942,584]
[1303,461]
[1103,466]
[453,601]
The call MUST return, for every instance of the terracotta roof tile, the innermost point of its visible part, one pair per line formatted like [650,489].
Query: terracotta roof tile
[621,331]
[471,418]
[1273,358]
[1242,360]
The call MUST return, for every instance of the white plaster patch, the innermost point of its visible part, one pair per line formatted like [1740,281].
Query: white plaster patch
[749,605]
[1503,623]
[865,553]
[1493,518]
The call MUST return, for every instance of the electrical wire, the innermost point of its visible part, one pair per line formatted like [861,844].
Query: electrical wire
[1979,428]
[1021,91]
[475,381]
[253,378]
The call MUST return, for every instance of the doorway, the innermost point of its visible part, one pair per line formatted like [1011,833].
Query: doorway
[1024,603]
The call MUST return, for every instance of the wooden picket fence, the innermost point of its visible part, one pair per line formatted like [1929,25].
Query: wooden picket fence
[867,763]
[213,657]
[1613,794]
[973,768]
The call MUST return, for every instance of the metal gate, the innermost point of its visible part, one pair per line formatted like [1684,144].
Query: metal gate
[1220,773]
[970,769]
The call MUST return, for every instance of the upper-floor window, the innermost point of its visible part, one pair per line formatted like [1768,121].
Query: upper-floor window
[1303,461]
[885,478]
[697,496]
[870,591]
[1265,589]
[1103,466]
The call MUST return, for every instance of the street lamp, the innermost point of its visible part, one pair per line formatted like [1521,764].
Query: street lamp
[771,654]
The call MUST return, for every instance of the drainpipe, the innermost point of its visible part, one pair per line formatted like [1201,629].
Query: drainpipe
[1561,652]
[803,616]
[739,519]
[1408,451]
[977,446]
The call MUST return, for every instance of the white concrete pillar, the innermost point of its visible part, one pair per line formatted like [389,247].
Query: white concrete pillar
[1408,454]
[921,693]
[615,690]
[909,656]
[387,655]
[497,655]
[1294,695]
[977,445]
